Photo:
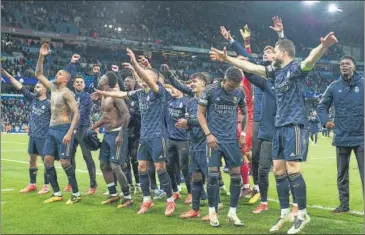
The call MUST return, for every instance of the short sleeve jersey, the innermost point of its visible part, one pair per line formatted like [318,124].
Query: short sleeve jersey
[290,94]
[222,109]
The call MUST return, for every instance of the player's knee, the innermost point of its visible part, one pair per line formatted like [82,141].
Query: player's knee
[236,179]
[142,166]
[33,160]
[235,170]
[65,162]
[160,166]
[48,161]
[279,167]
[293,167]
[197,176]
[105,166]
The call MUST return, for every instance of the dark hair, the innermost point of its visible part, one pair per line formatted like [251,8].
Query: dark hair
[233,74]
[112,79]
[349,58]
[200,76]
[78,76]
[269,48]
[286,45]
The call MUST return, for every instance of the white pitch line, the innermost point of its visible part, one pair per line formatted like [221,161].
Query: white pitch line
[273,200]
[7,189]
[24,162]
[3,203]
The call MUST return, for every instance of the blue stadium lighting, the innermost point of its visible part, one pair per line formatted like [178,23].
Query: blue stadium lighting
[310,3]
[333,8]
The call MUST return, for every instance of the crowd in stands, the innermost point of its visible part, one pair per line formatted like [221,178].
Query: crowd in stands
[176,23]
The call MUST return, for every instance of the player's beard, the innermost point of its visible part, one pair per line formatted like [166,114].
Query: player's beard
[277,63]
[37,94]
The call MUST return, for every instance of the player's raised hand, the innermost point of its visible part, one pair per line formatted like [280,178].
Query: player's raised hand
[242,141]
[217,55]
[245,32]
[132,56]
[44,50]
[143,61]
[96,69]
[128,66]
[75,58]
[277,24]
[5,73]
[329,40]
[226,34]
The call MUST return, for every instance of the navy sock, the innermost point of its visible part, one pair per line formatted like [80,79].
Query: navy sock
[213,189]
[203,195]
[235,189]
[197,188]
[298,184]
[52,176]
[263,183]
[145,183]
[46,180]
[292,192]
[70,172]
[33,175]
[112,189]
[152,174]
[282,187]
[172,174]
[165,182]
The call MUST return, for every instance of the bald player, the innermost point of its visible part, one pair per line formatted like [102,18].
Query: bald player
[61,130]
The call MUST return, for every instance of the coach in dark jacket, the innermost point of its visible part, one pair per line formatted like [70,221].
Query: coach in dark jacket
[347,96]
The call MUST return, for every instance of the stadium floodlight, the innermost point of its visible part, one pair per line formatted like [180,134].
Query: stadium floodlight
[333,8]
[119,29]
[310,3]
[110,26]
[105,25]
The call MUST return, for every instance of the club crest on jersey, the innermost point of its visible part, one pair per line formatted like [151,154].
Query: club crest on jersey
[357,89]
[132,103]
[235,99]
[180,105]
[43,107]
[148,98]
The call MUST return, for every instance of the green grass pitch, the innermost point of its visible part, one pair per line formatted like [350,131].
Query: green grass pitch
[23,214]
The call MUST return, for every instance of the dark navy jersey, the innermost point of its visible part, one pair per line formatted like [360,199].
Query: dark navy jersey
[257,94]
[85,104]
[151,106]
[290,94]
[197,136]
[222,109]
[134,125]
[40,115]
[175,111]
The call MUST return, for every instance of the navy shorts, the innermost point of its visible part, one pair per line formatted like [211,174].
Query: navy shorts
[112,153]
[151,150]
[231,153]
[36,146]
[198,162]
[53,145]
[290,143]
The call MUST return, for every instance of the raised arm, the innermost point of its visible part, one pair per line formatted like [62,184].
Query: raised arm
[72,69]
[318,52]
[71,102]
[115,94]
[13,81]
[174,82]
[124,113]
[246,66]
[142,72]
[39,69]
